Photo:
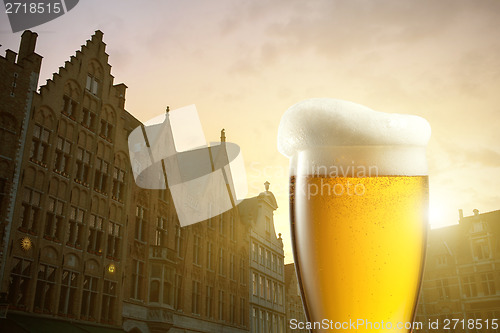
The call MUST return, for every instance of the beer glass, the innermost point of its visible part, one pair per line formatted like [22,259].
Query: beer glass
[358,222]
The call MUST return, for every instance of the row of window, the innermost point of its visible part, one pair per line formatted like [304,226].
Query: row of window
[266,288]
[225,309]
[267,322]
[75,296]
[62,163]
[222,225]
[165,287]
[72,231]
[469,286]
[267,258]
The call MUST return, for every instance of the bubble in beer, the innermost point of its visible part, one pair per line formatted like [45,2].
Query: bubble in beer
[332,122]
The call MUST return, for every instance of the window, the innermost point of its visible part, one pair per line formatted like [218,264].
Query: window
[222,262]
[101,176]
[137,279]
[268,259]
[242,311]
[196,297]
[280,266]
[209,299]
[221,304]
[275,292]
[40,144]
[197,250]
[262,286]
[488,284]
[69,283]
[108,301]
[254,283]
[20,278]
[210,254]
[88,119]
[274,263]
[168,285]
[179,241]
[161,231]
[114,241]
[140,223]
[231,266]
[469,286]
[268,289]
[75,229]
[280,294]
[54,219]
[69,107]
[443,288]
[30,210]
[268,225]
[178,292]
[89,297]
[231,227]
[106,131]
[92,84]
[82,165]
[95,234]
[45,288]
[261,321]
[63,150]
[243,271]
[481,249]
[254,251]
[255,320]
[118,189]
[161,284]
[232,319]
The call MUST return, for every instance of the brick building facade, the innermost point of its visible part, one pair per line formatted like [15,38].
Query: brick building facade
[462,273]
[84,247]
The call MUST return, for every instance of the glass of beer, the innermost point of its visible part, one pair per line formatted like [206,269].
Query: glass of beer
[358,210]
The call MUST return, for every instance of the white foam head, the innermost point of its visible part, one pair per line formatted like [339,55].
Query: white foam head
[394,142]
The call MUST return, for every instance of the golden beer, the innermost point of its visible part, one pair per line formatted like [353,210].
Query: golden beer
[358,210]
[359,245]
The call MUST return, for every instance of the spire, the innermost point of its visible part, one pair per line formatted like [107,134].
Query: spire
[223,135]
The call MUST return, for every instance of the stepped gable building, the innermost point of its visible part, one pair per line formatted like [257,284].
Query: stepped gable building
[19,73]
[462,273]
[65,251]
[267,278]
[294,307]
[85,249]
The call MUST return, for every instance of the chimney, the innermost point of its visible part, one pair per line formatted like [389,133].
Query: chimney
[28,43]
[460,214]
[476,212]
[10,56]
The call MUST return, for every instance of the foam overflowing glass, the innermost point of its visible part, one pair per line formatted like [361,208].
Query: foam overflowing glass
[358,211]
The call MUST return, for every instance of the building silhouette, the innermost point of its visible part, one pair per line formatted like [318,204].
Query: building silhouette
[462,273]
[85,249]
[294,307]
[267,278]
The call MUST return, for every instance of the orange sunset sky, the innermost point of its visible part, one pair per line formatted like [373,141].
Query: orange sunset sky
[243,63]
